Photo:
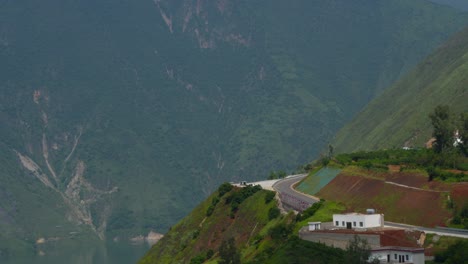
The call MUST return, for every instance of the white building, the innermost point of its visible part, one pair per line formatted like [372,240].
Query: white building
[398,255]
[314,226]
[356,220]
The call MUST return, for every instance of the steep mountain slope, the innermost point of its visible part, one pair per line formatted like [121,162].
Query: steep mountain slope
[399,116]
[117,117]
[462,4]
[259,236]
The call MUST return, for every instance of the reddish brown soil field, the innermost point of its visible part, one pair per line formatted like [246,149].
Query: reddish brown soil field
[397,203]
[460,193]
[416,180]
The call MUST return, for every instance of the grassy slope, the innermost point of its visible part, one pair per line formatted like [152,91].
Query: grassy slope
[179,245]
[251,229]
[317,180]
[400,114]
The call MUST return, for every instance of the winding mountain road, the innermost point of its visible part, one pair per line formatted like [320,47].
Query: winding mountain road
[292,198]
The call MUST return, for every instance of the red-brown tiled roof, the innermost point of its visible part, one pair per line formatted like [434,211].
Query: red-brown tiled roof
[399,238]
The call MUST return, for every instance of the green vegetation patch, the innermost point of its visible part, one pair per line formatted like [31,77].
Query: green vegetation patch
[198,237]
[323,214]
[449,250]
[314,182]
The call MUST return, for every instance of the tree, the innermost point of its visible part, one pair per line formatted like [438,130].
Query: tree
[273,213]
[455,253]
[463,133]
[224,188]
[272,176]
[330,151]
[282,174]
[358,251]
[442,128]
[228,252]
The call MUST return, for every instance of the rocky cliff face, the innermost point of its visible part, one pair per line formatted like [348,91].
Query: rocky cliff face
[211,23]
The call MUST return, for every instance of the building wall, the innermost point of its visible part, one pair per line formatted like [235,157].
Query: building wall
[416,258]
[358,220]
[339,240]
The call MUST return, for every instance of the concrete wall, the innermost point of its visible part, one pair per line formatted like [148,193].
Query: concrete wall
[339,240]
[418,258]
[367,220]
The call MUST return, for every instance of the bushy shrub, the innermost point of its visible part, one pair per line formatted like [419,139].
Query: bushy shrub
[269,196]
[273,213]
[211,208]
[454,254]
[310,211]
[280,231]
[238,197]
[224,188]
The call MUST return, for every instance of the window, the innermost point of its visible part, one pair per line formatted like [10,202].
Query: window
[343,223]
[354,223]
[361,224]
[396,256]
[407,257]
[337,223]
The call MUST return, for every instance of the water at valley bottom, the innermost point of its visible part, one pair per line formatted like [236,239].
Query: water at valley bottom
[104,253]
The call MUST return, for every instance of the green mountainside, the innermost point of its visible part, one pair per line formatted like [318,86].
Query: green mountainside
[400,115]
[118,117]
[462,4]
[260,236]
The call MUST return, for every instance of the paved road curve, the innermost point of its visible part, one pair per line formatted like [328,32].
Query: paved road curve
[441,231]
[291,197]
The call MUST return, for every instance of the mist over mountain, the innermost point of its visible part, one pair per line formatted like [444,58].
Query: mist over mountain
[117,117]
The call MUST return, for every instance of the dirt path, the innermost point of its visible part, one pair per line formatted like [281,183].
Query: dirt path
[414,188]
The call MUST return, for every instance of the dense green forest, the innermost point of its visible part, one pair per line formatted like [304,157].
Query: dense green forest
[118,117]
[399,117]
[462,4]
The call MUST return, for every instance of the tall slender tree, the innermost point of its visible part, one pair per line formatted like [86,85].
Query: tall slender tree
[442,128]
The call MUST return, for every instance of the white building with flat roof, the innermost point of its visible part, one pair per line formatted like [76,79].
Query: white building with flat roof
[356,220]
[392,254]
[314,226]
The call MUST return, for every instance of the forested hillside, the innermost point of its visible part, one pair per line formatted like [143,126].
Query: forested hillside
[118,117]
[461,4]
[400,116]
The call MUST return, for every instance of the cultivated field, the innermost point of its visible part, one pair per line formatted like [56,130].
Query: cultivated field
[402,196]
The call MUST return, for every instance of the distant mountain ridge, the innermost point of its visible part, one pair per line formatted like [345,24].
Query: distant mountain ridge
[461,4]
[400,115]
[117,117]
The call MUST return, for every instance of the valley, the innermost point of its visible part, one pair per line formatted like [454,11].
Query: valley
[118,117]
